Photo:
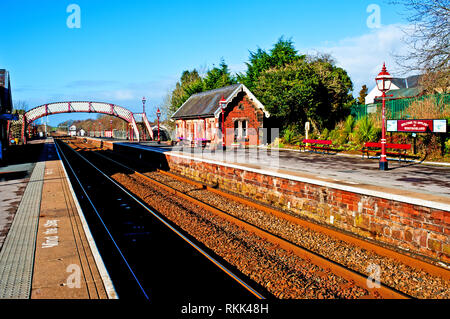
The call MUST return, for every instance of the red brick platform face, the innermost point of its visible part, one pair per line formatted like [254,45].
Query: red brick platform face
[411,227]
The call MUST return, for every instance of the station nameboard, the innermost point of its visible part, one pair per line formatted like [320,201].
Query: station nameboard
[417,126]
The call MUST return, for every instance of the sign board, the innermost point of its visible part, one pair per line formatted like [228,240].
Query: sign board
[417,126]
[391,125]
[440,126]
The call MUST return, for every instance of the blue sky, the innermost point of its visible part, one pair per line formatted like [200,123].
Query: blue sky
[127,49]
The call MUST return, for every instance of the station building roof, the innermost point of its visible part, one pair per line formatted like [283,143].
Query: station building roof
[206,104]
[407,83]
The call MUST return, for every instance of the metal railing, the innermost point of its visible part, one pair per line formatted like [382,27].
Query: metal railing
[397,109]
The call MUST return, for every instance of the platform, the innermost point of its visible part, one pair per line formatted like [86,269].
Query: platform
[420,180]
[49,252]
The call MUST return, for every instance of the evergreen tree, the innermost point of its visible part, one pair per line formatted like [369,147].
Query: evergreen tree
[363,94]
[282,53]
[218,77]
[191,82]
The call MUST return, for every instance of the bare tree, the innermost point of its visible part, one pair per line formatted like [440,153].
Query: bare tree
[428,40]
[20,106]
[167,111]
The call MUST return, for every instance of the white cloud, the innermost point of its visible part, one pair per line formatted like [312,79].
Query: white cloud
[120,95]
[363,56]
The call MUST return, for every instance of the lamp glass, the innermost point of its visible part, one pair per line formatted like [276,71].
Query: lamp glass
[380,84]
[387,84]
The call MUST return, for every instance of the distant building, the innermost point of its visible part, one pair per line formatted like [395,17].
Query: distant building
[5,108]
[5,92]
[400,88]
[73,130]
[81,132]
[200,117]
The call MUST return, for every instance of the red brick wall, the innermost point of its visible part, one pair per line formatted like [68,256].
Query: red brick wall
[242,108]
[415,228]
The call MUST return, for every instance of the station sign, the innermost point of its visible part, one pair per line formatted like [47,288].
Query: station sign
[417,126]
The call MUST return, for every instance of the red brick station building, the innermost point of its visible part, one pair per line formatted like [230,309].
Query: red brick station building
[199,119]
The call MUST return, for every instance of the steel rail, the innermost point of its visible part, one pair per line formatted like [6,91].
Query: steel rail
[380,250]
[321,261]
[195,246]
[103,223]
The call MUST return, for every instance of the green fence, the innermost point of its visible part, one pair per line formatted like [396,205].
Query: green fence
[396,109]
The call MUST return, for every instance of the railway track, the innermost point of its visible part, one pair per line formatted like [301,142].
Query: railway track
[409,274]
[129,236]
[324,263]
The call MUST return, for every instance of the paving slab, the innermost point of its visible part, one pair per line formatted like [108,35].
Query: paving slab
[48,251]
[64,265]
[17,254]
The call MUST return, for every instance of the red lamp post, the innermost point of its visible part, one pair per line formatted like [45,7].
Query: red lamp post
[143,104]
[158,115]
[110,124]
[223,104]
[384,81]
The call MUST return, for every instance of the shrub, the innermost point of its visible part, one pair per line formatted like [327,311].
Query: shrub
[365,131]
[338,135]
[290,136]
[429,145]
[447,147]
[325,134]
[349,125]
[313,135]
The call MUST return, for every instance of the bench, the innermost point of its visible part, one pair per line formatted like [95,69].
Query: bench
[399,149]
[200,142]
[316,145]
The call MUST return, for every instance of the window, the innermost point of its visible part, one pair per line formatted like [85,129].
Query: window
[236,130]
[244,128]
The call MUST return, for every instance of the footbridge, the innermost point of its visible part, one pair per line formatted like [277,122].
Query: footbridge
[85,107]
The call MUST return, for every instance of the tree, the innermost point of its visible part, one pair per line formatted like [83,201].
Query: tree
[309,89]
[218,77]
[282,54]
[20,107]
[166,110]
[337,86]
[428,41]
[191,82]
[363,94]
[290,94]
